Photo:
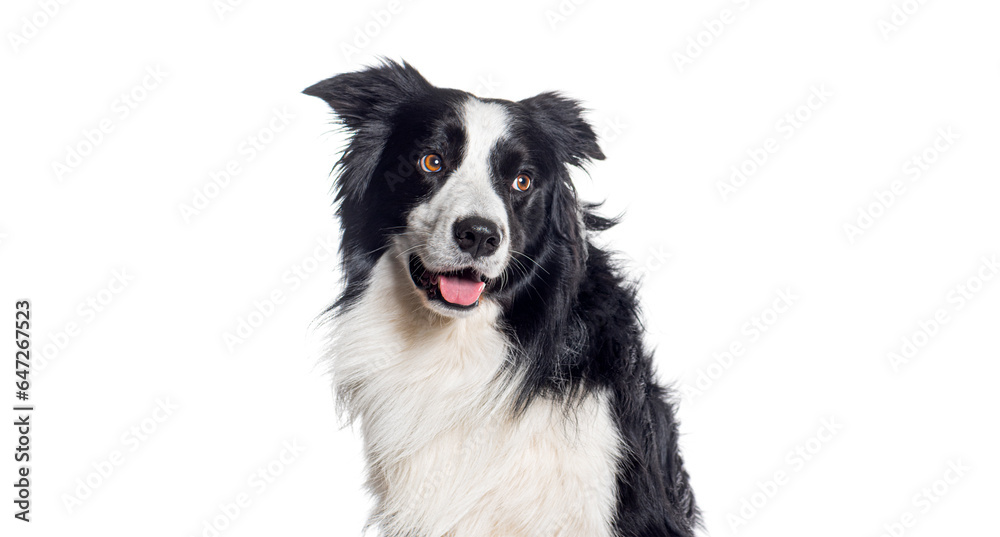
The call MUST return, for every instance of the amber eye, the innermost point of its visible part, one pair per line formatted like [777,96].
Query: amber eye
[431,163]
[522,182]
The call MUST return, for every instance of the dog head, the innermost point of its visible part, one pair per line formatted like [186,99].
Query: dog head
[472,196]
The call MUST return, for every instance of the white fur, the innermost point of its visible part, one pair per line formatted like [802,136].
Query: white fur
[468,192]
[445,458]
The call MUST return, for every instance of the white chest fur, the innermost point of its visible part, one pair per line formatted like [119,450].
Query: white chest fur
[445,458]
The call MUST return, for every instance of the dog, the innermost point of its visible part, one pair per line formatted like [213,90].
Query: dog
[491,354]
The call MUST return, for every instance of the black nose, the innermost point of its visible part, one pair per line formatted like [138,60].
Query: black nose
[477,236]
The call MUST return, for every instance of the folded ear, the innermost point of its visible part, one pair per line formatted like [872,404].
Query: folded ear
[365,102]
[562,121]
[370,95]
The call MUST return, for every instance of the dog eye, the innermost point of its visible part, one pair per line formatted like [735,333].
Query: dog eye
[431,163]
[522,182]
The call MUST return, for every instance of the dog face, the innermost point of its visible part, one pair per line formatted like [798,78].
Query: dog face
[467,193]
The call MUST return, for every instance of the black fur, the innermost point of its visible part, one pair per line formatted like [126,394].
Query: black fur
[569,311]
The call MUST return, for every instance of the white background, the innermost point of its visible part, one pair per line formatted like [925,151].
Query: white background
[671,133]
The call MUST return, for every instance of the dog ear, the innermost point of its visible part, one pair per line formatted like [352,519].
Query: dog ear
[561,119]
[365,102]
[371,96]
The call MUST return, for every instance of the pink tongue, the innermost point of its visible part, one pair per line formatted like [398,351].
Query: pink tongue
[461,291]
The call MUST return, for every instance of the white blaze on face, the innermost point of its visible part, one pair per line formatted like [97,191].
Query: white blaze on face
[468,192]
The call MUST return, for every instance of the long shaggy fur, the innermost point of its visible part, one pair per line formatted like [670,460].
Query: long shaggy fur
[535,412]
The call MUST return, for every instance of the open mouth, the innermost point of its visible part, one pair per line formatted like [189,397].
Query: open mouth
[461,288]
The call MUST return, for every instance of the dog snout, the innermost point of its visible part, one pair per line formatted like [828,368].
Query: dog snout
[477,236]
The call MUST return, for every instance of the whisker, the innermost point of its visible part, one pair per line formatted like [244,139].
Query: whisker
[406,251]
[528,257]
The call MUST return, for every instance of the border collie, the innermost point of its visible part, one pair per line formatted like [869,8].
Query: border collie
[490,352]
